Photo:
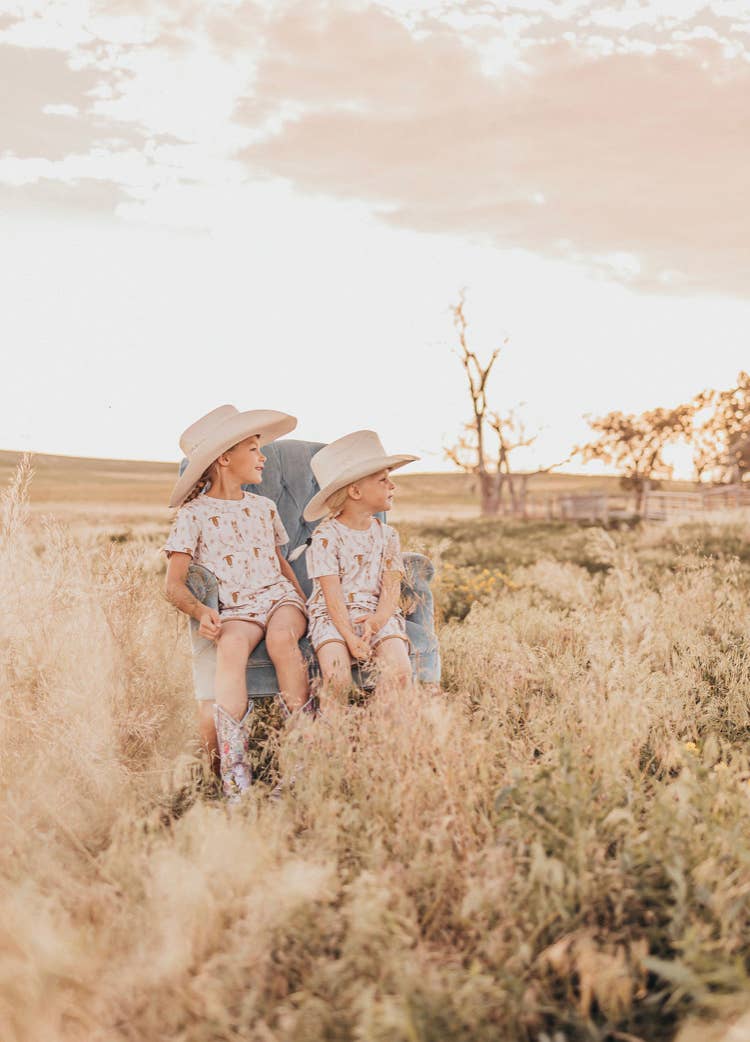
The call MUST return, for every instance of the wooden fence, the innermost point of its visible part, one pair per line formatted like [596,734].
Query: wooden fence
[657,506]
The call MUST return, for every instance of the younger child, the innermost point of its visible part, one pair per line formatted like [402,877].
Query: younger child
[355,562]
[237,536]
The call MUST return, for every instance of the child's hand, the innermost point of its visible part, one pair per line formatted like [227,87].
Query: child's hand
[210,624]
[371,625]
[358,647]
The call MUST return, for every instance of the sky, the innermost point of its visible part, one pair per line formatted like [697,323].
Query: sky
[275,204]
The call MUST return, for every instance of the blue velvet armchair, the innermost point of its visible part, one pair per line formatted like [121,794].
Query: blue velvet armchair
[289,481]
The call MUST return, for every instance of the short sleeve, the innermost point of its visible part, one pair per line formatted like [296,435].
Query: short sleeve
[185,534]
[279,532]
[392,559]
[323,555]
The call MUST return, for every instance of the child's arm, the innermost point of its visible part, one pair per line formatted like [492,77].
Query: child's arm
[331,587]
[179,595]
[288,572]
[387,604]
[324,564]
[390,587]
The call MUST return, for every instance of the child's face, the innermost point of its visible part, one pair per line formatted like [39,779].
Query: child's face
[376,491]
[246,461]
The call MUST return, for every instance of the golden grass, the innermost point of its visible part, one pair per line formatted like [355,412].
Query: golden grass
[554,846]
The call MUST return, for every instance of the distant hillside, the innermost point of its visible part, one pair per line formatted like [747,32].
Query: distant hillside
[70,482]
[68,479]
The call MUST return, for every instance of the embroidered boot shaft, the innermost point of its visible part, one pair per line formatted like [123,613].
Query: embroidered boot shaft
[234,745]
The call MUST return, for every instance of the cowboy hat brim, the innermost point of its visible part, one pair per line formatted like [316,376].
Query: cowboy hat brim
[266,423]
[316,508]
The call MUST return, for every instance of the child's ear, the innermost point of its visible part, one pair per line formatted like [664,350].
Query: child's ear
[354,492]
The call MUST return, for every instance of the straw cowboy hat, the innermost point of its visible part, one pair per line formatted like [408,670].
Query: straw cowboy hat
[206,439]
[347,460]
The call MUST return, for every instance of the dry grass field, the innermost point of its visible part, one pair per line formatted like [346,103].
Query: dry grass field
[551,848]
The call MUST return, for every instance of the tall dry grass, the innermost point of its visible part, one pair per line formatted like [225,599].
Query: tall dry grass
[552,847]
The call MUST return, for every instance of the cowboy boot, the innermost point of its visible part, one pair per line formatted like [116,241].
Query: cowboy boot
[234,744]
[308,710]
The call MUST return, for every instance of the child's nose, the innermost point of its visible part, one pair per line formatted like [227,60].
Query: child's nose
[261,458]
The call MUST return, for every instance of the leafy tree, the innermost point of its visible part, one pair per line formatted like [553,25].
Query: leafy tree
[634,444]
[722,439]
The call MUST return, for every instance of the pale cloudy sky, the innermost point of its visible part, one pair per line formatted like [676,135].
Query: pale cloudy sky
[274,203]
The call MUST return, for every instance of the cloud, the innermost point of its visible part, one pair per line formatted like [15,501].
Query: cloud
[36,79]
[116,101]
[84,195]
[615,137]
[566,152]
[75,136]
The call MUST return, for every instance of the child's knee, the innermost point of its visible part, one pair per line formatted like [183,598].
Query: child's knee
[336,675]
[396,675]
[281,643]
[394,664]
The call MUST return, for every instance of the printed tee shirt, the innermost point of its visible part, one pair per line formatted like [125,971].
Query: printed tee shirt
[358,558]
[236,539]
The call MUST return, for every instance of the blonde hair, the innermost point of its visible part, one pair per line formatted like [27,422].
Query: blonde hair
[337,500]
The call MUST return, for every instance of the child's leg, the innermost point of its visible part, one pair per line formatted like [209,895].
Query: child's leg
[336,672]
[283,632]
[392,658]
[236,642]
[207,732]
[231,711]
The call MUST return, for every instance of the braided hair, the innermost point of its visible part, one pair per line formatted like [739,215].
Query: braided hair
[199,486]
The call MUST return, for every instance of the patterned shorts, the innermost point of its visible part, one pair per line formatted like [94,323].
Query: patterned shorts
[322,631]
[264,603]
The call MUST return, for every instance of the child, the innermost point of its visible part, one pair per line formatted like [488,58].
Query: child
[237,536]
[355,562]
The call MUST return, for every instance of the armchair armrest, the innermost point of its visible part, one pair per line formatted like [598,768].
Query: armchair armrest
[203,585]
[416,592]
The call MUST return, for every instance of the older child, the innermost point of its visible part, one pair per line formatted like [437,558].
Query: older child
[355,562]
[237,536]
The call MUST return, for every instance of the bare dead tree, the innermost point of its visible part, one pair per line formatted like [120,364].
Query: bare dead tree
[471,452]
[511,435]
[468,456]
